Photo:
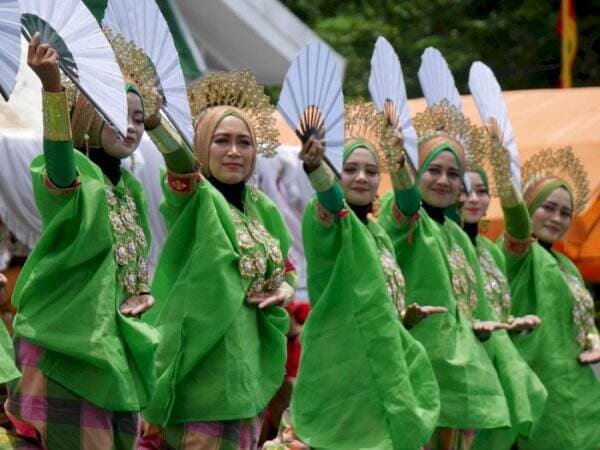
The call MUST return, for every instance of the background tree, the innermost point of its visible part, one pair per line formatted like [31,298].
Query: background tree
[516,38]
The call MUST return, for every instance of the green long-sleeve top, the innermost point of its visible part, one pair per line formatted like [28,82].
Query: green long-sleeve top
[220,358]
[548,284]
[364,382]
[437,273]
[89,259]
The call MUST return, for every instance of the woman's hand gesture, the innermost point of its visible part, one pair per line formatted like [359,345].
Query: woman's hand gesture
[43,60]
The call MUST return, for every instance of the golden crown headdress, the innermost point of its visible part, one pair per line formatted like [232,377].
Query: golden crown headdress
[240,90]
[559,163]
[447,119]
[137,69]
[364,122]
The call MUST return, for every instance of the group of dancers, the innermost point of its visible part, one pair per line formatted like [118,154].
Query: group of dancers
[423,334]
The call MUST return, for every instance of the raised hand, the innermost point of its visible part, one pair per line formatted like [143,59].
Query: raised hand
[494,130]
[43,60]
[137,305]
[312,154]
[415,313]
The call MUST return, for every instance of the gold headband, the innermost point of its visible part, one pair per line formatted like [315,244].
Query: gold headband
[238,89]
[443,119]
[138,70]
[556,164]
[364,123]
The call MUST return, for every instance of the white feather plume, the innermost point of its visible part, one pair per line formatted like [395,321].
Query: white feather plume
[386,82]
[10,46]
[436,79]
[487,94]
[314,79]
[97,71]
[141,22]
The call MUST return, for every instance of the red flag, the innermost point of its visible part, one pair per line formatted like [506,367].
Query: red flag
[567,28]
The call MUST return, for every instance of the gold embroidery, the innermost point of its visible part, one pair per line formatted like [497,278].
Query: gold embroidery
[497,290]
[583,309]
[56,117]
[463,282]
[261,259]
[130,242]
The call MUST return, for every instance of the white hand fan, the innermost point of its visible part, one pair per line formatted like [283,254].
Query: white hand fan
[487,94]
[141,22]
[10,45]
[312,102]
[436,79]
[86,57]
[388,91]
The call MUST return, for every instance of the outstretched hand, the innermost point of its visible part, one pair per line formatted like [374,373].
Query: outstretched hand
[589,356]
[277,297]
[525,323]
[484,328]
[415,313]
[312,154]
[43,60]
[137,305]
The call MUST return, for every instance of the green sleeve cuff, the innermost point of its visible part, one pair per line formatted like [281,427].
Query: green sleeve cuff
[517,221]
[60,163]
[408,201]
[332,199]
[179,158]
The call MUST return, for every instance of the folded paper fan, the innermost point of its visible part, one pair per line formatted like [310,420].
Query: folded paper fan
[312,101]
[436,79]
[487,94]
[388,91]
[10,46]
[141,22]
[86,57]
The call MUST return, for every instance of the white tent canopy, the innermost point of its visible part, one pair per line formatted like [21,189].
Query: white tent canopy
[260,35]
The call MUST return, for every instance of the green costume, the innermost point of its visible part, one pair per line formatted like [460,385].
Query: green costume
[524,392]
[438,273]
[548,284]
[219,358]
[90,258]
[8,370]
[364,382]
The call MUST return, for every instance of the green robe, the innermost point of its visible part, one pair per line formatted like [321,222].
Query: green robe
[219,358]
[364,382]
[69,292]
[524,392]
[571,419]
[470,391]
[8,369]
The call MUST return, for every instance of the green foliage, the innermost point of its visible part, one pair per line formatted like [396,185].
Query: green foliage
[517,39]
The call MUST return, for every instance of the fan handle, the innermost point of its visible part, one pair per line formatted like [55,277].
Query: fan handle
[168,116]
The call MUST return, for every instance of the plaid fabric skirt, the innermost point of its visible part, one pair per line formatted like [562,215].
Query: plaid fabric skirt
[451,439]
[48,416]
[223,435]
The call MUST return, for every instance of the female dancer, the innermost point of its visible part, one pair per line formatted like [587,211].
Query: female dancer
[87,362]
[546,283]
[222,276]
[430,251]
[364,382]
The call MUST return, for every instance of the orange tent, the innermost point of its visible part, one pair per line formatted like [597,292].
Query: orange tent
[546,118]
